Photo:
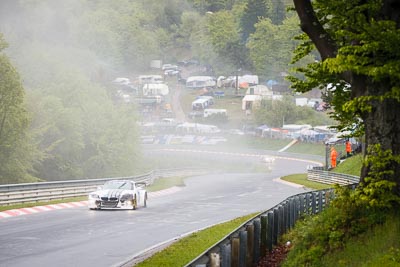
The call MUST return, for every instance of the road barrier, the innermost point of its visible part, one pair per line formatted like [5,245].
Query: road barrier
[318,174]
[45,191]
[246,245]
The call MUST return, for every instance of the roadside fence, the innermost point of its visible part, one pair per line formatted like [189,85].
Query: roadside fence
[318,174]
[245,246]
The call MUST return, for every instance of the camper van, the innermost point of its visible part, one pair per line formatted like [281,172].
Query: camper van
[200,104]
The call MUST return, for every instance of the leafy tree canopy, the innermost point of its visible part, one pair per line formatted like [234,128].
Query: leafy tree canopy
[359,47]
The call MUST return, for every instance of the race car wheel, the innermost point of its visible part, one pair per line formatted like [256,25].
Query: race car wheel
[134,203]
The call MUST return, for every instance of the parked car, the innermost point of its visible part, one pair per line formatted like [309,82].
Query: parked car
[171,72]
[169,67]
[114,194]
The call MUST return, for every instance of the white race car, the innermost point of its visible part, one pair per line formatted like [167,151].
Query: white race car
[118,194]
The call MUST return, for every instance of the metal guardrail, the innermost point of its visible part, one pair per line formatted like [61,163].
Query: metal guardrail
[318,174]
[56,190]
[246,245]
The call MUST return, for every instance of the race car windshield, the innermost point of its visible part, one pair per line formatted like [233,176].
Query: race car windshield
[117,185]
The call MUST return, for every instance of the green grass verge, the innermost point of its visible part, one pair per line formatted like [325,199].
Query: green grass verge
[302,179]
[307,148]
[186,249]
[350,165]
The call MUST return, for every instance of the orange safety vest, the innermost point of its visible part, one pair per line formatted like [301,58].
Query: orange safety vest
[333,157]
[348,147]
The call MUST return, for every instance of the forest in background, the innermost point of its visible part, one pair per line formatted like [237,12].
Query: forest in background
[63,55]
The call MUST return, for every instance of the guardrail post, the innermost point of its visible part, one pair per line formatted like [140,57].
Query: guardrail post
[285,216]
[243,248]
[226,255]
[264,235]
[313,203]
[276,227]
[270,231]
[257,240]
[250,244]
[320,201]
[281,222]
[308,203]
[329,195]
[301,208]
[291,213]
[235,244]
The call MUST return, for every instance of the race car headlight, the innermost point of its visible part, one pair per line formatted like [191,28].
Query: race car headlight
[126,197]
[94,196]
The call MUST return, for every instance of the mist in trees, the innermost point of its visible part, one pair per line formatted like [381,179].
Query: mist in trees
[61,51]
[66,53]
[16,152]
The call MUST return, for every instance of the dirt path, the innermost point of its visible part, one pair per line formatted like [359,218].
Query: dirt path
[176,103]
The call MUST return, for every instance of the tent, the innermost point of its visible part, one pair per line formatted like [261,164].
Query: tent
[249,101]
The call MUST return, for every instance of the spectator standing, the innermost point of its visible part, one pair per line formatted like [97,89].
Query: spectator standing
[348,148]
[333,157]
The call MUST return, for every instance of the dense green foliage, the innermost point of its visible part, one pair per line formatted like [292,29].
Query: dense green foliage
[333,238]
[275,113]
[16,154]
[350,217]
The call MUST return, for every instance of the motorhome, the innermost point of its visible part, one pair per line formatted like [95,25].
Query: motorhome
[200,82]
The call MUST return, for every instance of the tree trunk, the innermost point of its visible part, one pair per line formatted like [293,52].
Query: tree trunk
[382,126]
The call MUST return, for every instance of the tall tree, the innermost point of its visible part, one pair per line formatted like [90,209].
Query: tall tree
[359,44]
[224,34]
[271,46]
[253,12]
[276,11]
[15,152]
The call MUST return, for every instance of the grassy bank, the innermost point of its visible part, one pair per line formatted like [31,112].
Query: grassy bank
[302,179]
[378,247]
[186,249]
[340,237]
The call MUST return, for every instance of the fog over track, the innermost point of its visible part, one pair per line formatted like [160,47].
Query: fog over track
[81,237]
